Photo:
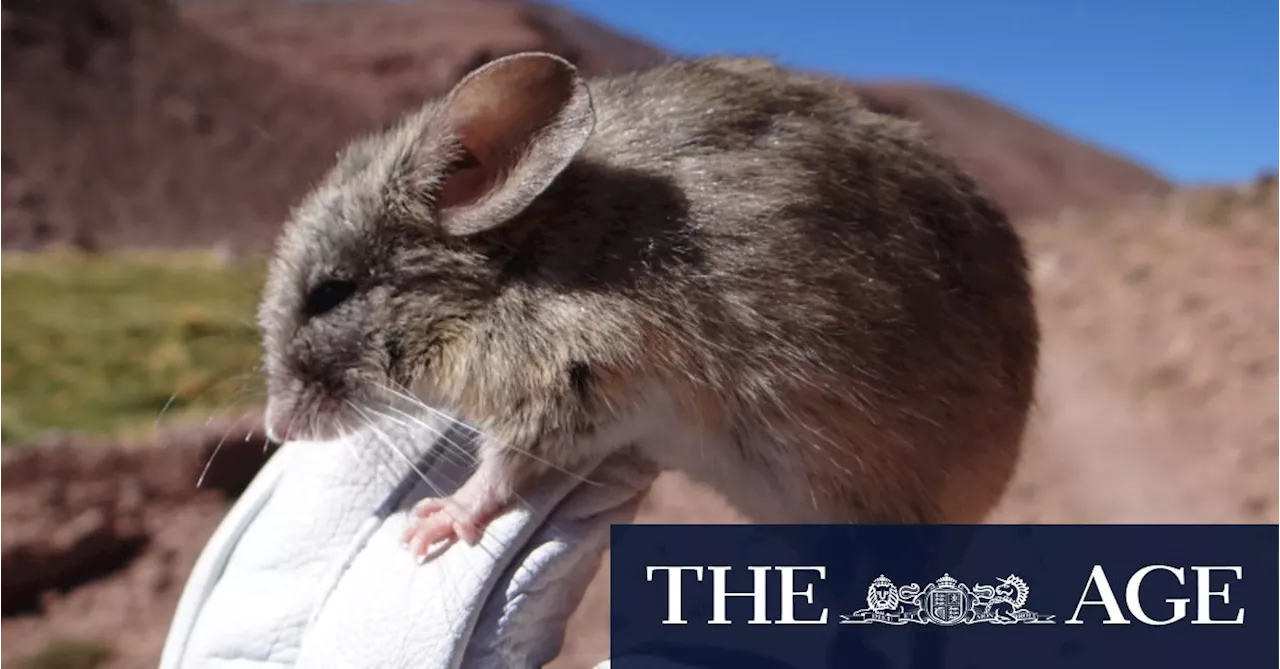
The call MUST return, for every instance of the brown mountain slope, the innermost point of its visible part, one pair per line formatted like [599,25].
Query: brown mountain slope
[394,55]
[123,126]
[1030,168]
[130,125]
[1159,394]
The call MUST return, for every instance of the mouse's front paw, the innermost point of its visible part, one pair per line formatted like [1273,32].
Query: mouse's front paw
[437,519]
[453,518]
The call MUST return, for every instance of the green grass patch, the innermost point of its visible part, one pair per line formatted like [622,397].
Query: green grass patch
[67,654]
[98,344]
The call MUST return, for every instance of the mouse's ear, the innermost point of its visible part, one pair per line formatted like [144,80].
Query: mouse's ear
[518,121]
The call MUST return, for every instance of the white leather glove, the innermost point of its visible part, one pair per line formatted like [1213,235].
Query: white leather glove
[307,569]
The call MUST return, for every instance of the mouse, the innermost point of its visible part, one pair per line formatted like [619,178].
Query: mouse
[724,265]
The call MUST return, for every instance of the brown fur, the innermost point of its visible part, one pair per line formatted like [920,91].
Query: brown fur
[806,279]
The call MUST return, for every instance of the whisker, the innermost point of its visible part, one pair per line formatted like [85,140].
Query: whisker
[525,452]
[413,401]
[517,498]
[437,492]
[163,410]
[386,440]
[488,542]
[238,394]
[443,435]
[352,450]
[216,449]
[454,455]
[378,432]
[408,397]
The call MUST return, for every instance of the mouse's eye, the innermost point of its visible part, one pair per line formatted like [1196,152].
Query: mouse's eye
[327,295]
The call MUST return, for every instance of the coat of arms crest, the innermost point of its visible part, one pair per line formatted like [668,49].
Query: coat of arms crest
[946,602]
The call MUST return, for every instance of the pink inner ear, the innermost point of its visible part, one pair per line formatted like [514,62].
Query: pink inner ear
[523,119]
[471,176]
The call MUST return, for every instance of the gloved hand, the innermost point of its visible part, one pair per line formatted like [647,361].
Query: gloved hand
[307,569]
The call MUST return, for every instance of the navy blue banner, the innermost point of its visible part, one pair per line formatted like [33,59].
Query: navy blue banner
[1044,596]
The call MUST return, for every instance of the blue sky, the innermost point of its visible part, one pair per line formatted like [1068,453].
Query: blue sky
[1188,88]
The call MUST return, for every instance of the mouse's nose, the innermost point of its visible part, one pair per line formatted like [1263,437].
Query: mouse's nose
[280,425]
[277,433]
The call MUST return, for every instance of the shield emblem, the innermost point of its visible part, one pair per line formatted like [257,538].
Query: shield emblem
[946,606]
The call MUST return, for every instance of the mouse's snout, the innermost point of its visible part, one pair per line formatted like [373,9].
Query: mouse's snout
[280,423]
[278,431]
[283,421]
[313,375]
[303,418]
[303,407]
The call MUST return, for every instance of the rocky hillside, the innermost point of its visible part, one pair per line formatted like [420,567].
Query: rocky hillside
[392,56]
[132,123]
[125,125]
[1030,168]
